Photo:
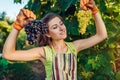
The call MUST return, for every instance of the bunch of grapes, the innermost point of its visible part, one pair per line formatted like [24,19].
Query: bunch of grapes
[83,19]
[34,29]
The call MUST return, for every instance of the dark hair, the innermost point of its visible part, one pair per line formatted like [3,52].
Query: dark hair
[37,29]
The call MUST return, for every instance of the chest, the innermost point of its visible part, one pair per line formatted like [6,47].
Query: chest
[64,66]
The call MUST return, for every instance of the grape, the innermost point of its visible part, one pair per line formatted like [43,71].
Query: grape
[33,29]
[83,18]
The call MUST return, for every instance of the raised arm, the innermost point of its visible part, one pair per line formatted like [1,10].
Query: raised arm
[101,32]
[9,49]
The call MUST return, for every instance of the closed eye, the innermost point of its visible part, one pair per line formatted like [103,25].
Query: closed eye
[61,23]
[55,26]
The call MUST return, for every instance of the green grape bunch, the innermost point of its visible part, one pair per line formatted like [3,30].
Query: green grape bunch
[83,18]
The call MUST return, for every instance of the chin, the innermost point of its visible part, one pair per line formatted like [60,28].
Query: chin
[64,37]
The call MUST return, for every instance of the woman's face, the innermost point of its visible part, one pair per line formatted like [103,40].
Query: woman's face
[57,29]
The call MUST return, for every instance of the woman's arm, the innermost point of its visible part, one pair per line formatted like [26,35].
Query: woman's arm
[100,35]
[101,32]
[9,49]
[10,53]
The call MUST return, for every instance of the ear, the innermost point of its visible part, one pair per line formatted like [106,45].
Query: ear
[48,35]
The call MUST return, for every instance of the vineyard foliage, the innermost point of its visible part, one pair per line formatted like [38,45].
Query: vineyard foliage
[95,63]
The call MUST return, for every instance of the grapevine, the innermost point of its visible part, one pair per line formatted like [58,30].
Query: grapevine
[83,18]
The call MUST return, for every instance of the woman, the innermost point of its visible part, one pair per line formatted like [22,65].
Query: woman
[61,56]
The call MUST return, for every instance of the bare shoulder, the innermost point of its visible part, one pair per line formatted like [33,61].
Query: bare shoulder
[77,43]
[39,50]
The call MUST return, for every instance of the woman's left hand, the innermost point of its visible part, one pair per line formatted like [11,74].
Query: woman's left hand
[89,4]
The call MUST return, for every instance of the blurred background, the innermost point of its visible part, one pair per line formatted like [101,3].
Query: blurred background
[101,62]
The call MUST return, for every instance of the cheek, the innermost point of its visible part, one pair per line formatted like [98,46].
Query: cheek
[65,27]
[53,32]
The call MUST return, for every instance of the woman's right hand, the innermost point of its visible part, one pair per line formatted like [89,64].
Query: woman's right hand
[9,49]
[23,18]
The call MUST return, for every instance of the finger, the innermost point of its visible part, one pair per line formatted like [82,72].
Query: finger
[81,3]
[84,8]
[90,6]
[20,13]
[92,2]
[25,12]
[29,20]
[28,13]
[86,2]
[32,15]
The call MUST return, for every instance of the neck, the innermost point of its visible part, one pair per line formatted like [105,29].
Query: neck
[59,46]
[58,43]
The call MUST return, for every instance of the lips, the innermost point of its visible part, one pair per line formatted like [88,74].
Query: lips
[62,33]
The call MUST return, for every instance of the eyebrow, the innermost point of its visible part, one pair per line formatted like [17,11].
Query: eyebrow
[61,21]
[53,25]
[56,24]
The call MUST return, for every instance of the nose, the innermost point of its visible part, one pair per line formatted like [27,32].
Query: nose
[61,27]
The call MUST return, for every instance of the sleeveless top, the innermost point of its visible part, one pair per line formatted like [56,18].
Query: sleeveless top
[61,66]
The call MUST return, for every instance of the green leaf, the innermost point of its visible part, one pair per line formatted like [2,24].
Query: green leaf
[96,66]
[88,67]
[111,54]
[111,39]
[100,77]
[118,18]
[112,45]
[74,31]
[66,5]
[3,64]
[102,6]
[117,76]
[74,1]
[90,61]
[110,25]
[102,59]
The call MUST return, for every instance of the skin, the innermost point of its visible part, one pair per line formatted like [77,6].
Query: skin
[57,31]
